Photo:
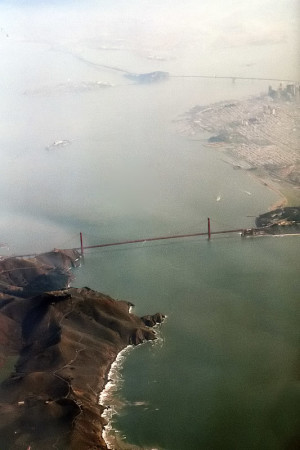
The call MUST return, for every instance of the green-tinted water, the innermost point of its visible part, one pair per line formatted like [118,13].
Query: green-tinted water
[225,373]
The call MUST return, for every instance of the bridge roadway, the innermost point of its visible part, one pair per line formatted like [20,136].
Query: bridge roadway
[160,238]
[137,241]
[233,78]
[124,71]
[208,233]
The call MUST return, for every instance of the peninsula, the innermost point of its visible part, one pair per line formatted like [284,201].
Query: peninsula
[281,221]
[57,345]
[260,134]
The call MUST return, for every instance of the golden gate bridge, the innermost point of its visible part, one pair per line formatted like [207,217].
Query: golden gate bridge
[207,233]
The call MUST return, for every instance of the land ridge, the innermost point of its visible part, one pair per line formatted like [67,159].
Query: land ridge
[64,342]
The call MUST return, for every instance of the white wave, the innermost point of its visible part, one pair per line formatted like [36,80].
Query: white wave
[107,397]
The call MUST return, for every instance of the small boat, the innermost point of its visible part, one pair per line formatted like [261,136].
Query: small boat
[57,144]
[61,143]
[218,198]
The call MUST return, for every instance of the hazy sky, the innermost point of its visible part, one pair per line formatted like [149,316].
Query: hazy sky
[223,29]
[44,44]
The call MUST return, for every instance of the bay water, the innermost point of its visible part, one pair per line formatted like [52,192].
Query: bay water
[223,373]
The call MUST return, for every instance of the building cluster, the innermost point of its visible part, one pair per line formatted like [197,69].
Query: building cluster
[258,132]
[291,92]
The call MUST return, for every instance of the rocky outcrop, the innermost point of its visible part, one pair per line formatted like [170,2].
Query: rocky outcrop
[150,321]
[280,221]
[281,216]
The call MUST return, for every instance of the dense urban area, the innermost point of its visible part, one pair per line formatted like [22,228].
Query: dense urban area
[260,133]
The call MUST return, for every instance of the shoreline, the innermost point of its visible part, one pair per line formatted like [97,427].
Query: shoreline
[265,179]
[258,135]
[110,402]
[107,393]
[268,183]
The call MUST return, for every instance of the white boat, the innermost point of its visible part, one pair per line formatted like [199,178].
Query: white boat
[59,143]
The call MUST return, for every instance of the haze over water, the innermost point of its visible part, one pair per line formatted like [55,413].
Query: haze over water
[225,375]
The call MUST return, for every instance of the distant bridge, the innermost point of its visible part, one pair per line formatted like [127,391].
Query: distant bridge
[124,71]
[233,78]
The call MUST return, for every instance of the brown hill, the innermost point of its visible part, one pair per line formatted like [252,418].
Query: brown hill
[66,340]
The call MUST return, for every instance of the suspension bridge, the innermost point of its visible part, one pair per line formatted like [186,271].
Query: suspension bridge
[207,233]
[258,231]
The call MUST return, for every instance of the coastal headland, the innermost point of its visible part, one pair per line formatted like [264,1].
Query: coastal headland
[61,342]
[259,134]
[281,221]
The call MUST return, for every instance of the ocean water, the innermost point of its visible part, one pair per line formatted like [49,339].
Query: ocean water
[224,371]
